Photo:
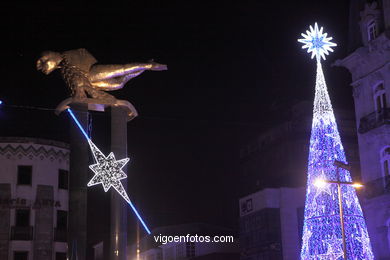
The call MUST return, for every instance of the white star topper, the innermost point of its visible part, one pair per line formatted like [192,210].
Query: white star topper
[108,171]
[317,42]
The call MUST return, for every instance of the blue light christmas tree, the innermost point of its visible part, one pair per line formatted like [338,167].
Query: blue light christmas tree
[322,229]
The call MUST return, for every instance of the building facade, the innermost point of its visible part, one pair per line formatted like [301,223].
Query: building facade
[369,65]
[194,248]
[271,222]
[33,199]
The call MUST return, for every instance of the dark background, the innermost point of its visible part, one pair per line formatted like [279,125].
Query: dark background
[234,66]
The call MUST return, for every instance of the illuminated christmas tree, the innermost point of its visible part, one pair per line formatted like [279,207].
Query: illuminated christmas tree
[322,229]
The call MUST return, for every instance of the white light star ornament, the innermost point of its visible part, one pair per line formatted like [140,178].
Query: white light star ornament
[317,42]
[108,171]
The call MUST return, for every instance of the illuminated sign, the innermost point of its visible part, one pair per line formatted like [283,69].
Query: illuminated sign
[25,203]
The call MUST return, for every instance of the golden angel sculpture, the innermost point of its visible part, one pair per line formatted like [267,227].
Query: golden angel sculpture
[88,81]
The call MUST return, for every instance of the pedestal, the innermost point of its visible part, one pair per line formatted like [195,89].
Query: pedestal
[79,159]
[118,220]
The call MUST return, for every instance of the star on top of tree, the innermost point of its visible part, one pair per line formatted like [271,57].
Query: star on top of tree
[317,42]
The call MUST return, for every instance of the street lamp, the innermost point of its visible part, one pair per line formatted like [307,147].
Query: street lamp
[320,183]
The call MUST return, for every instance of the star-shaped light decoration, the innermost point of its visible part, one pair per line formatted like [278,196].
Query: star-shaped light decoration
[326,187]
[317,42]
[365,240]
[305,239]
[334,249]
[108,171]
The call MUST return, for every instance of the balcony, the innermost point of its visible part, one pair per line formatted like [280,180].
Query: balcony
[374,120]
[60,235]
[21,233]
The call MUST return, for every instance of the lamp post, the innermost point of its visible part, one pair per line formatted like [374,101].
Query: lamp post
[321,182]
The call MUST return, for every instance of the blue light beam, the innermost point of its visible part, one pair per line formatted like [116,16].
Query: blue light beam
[78,123]
[101,159]
[138,216]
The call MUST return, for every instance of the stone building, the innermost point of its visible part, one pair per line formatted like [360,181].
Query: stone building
[271,223]
[369,65]
[33,199]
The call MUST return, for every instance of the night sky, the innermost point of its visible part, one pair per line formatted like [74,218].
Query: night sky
[232,67]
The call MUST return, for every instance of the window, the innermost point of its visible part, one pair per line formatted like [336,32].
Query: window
[60,256]
[371,30]
[62,219]
[180,250]
[246,206]
[19,255]
[22,217]
[300,217]
[385,161]
[169,253]
[385,164]
[24,174]
[190,249]
[380,98]
[388,232]
[63,176]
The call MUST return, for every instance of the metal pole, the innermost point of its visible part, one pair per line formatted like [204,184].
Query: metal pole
[341,213]
[79,156]
[118,207]
[138,241]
